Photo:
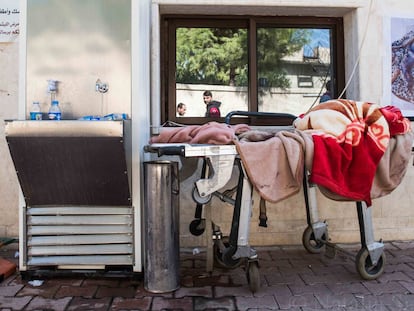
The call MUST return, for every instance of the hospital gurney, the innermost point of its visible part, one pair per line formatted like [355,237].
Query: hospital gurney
[216,172]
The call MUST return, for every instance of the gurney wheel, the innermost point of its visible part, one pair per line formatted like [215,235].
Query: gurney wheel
[218,255]
[199,199]
[197,226]
[310,243]
[365,268]
[253,276]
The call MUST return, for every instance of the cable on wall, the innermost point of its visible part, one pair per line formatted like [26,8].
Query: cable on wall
[359,52]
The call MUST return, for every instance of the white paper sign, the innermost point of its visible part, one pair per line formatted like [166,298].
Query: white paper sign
[9,20]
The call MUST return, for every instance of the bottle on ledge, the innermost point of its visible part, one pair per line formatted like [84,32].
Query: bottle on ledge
[35,111]
[54,111]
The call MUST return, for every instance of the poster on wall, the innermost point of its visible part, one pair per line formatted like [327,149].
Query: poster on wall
[402,65]
[9,20]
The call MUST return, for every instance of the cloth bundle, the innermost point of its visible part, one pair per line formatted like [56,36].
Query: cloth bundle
[344,144]
[350,138]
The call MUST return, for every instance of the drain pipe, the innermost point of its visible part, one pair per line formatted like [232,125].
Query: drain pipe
[155,100]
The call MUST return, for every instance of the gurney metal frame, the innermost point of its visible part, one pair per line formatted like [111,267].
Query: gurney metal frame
[370,260]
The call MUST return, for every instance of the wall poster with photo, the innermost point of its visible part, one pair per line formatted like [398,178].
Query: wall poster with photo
[402,65]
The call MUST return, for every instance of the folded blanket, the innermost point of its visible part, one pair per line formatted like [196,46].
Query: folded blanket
[349,141]
[274,162]
[209,133]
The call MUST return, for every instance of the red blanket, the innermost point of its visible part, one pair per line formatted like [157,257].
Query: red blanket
[349,140]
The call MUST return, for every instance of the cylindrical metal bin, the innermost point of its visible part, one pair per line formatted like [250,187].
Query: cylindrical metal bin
[161,223]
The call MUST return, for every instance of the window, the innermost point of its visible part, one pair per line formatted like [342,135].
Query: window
[277,64]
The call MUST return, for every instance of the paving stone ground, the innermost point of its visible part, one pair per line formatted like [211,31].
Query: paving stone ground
[290,279]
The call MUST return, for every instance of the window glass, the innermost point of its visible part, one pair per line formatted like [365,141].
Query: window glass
[211,60]
[259,64]
[293,67]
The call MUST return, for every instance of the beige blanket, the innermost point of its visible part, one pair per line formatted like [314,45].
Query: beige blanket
[274,162]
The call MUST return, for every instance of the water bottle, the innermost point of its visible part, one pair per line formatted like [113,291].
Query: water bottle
[35,112]
[54,111]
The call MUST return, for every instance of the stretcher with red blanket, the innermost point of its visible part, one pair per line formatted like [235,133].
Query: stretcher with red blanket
[360,153]
[301,151]
[353,151]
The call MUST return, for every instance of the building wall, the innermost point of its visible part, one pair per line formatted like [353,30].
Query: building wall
[392,215]
[367,57]
[9,189]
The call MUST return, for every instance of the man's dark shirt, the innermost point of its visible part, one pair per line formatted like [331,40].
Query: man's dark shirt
[213,109]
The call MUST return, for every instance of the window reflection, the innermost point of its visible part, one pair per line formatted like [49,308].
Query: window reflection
[211,60]
[293,66]
[253,64]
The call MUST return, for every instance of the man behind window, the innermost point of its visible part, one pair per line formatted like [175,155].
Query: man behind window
[181,109]
[212,106]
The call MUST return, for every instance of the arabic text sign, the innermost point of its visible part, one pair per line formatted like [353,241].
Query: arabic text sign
[9,20]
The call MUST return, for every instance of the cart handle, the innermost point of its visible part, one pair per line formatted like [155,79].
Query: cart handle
[276,115]
[166,150]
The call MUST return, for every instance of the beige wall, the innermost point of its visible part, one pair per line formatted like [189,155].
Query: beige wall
[9,191]
[393,215]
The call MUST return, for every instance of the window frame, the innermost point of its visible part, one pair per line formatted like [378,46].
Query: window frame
[170,22]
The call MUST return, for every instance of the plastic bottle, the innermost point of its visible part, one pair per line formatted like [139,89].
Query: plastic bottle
[54,111]
[35,111]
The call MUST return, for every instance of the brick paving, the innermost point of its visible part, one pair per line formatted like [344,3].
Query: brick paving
[290,279]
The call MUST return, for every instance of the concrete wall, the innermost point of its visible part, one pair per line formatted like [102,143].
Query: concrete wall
[393,215]
[9,189]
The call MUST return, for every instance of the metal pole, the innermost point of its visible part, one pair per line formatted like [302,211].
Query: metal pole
[161,223]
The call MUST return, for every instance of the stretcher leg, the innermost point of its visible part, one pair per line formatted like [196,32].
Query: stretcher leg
[243,248]
[316,234]
[209,242]
[198,225]
[221,243]
[240,229]
[370,260]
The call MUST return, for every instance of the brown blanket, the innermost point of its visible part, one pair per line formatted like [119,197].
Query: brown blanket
[274,162]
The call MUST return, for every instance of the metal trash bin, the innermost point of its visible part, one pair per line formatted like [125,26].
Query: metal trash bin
[161,223]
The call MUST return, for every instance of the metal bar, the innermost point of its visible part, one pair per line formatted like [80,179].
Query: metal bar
[76,239]
[79,250]
[81,229]
[80,220]
[81,260]
[79,210]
